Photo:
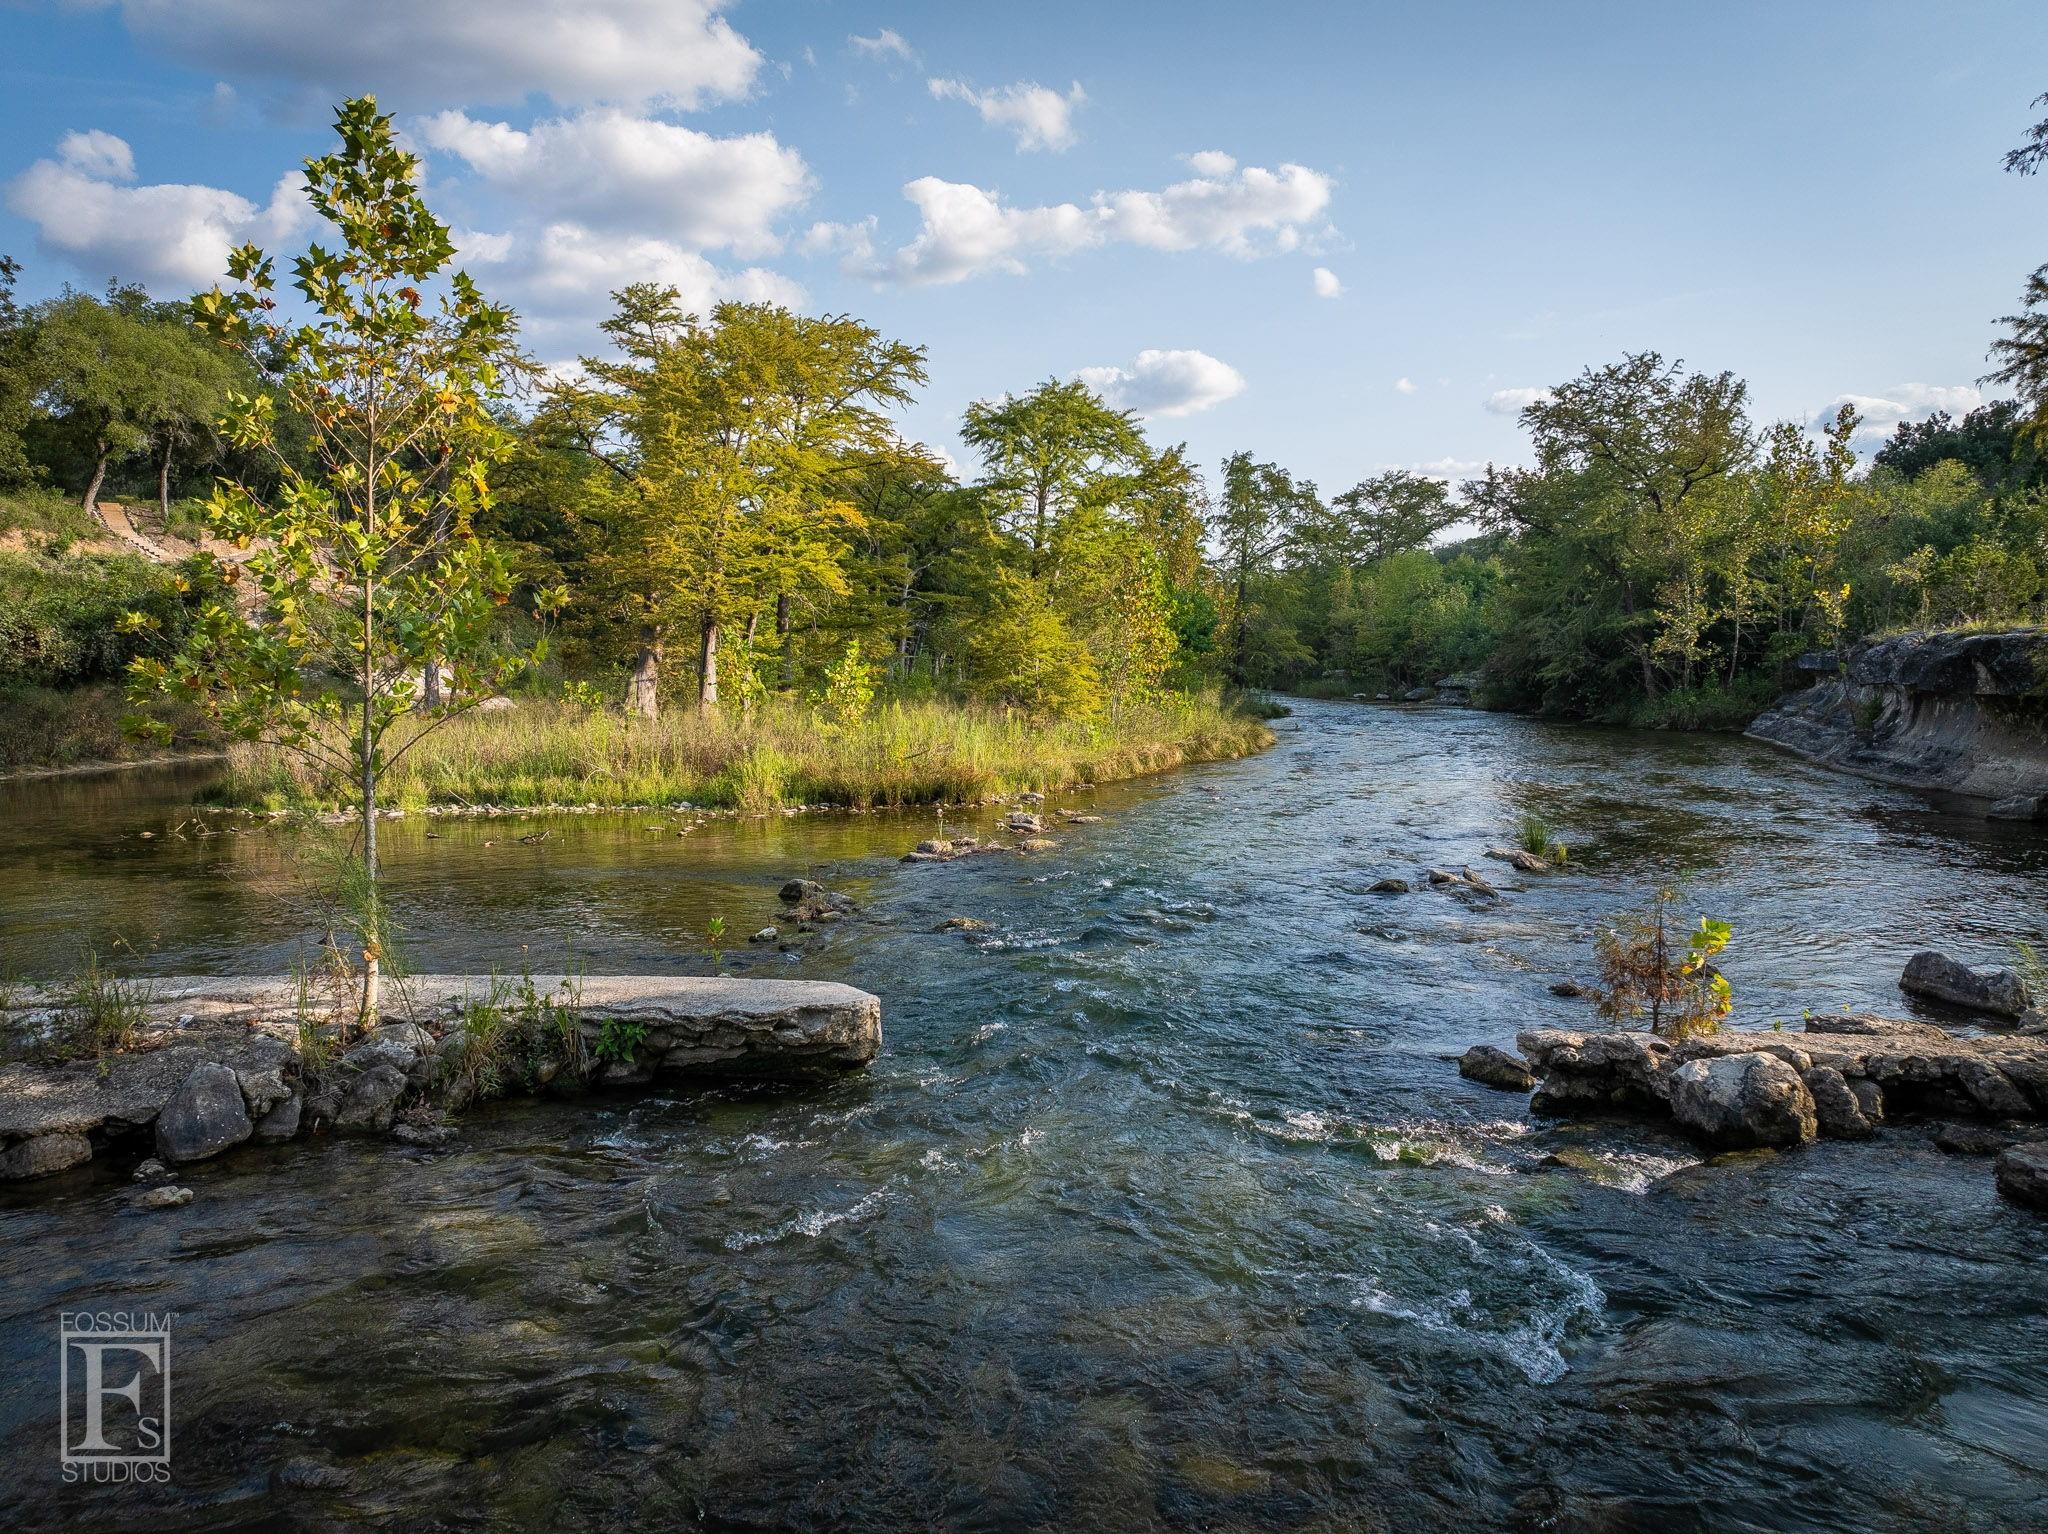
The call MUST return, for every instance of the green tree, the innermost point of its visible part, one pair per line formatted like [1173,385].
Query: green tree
[17,378]
[1255,519]
[1045,455]
[367,569]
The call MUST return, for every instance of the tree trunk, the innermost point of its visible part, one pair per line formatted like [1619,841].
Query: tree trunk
[707,665]
[782,636]
[99,477]
[747,654]
[163,488]
[430,686]
[643,688]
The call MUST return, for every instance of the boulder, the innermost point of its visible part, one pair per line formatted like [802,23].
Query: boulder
[151,1170]
[204,1116]
[765,935]
[1865,1025]
[1519,858]
[2020,807]
[42,1155]
[1418,695]
[282,1121]
[797,890]
[263,1089]
[2022,1174]
[1972,1140]
[1743,1101]
[1388,887]
[1570,989]
[1495,1067]
[394,1044]
[1999,992]
[371,1100]
[1020,821]
[2033,1022]
[962,924]
[1836,1108]
[165,1197]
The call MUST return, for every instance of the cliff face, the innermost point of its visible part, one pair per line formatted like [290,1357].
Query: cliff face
[1963,714]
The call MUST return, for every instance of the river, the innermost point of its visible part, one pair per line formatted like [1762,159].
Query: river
[1162,1208]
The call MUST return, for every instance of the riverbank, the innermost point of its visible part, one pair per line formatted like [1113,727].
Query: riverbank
[779,756]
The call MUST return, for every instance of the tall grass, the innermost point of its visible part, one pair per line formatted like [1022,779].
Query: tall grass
[903,753]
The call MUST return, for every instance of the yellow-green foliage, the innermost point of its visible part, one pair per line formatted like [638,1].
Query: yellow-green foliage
[901,753]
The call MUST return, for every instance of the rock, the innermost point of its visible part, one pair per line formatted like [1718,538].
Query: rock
[1495,1067]
[151,1170]
[1380,697]
[934,846]
[1037,844]
[1570,989]
[422,1134]
[962,924]
[2021,807]
[496,703]
[1743,1101]
[1519,858]
[1081,820]
[1388,887]
[282,1121]
[797,890]
[371,1100]
[165,1197]
[1418,695]
[1971,1140]
[1031,796]
[1870,1098]
[2033,1022]
[1836,1108]
[204,1116]
[393,1044]
[1999,992]
[1443,878]
[43,1155]
[1018,820]
[765,935]
[2022,1174]
[1991,1089]
[1865,1025]
[263,1089]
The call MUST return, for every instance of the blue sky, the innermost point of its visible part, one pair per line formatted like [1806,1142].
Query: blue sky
[1500,194]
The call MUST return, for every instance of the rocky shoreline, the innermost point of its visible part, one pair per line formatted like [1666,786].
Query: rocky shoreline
[1963,714]
[1842,1077]
[216,1063]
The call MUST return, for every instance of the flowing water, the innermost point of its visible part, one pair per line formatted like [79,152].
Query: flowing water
[1163,1206]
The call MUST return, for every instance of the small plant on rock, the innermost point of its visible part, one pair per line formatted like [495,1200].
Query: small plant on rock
[1535,837]
[102,1011]
[1649,972]
[617,1040]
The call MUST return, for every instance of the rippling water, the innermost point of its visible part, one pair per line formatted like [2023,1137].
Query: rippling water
[1162,1208]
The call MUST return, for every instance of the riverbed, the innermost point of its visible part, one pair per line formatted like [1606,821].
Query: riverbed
[1162,1208]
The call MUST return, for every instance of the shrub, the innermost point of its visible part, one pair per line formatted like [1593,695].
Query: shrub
[1678,988]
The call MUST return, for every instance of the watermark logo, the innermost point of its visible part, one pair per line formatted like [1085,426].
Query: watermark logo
[115,1375]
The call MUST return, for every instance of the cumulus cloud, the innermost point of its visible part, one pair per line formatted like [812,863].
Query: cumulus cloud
[1210,162]
[421,53]
[1326,283]
[566,266]
[1452,471]
[1404,386]
[885,44]
[967,230]
[1166,383]
[1514,401]
[1882,413]
[1038,117]
[611,170]
[171,238]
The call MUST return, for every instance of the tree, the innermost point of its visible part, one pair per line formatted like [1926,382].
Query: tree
[1044,454]
[1647,438]
[95,367]
[368,568]
[1647,972]
[1989,441]
[2033,154]
[1388,514]
[190,384]
[734,437]
[1255,519]
[17,378]
[2022,356]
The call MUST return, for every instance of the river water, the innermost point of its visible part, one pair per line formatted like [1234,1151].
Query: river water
[1162,1208]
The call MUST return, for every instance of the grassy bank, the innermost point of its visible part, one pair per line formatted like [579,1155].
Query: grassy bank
[786,754]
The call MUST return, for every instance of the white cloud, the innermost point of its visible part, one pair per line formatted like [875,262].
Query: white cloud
[1326,283]
[478,248]
[1451,471]
[1404,386]
[171,238]
[611,170]
[1514,401]
[967,230]
[1039,117]
[569,269]
[1882,413]
[1166,383]
[1210,162]
[420,53]
[884,44]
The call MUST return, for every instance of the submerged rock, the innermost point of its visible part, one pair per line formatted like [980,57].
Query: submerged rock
[1519,858]
[1999,992]
[1493,1066]
[1388,887]
[165,1197]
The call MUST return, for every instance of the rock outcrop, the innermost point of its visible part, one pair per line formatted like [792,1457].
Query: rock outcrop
[1961,714]
[1841,1078]
[219,1062]
[2022,1174]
